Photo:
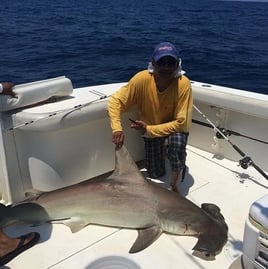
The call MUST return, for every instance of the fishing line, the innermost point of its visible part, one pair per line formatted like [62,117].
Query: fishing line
[228,132]
[246,161]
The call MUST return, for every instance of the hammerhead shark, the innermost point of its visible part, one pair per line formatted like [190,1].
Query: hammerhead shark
[125,199]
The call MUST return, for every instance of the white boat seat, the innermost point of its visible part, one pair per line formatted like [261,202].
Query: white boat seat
[35,92]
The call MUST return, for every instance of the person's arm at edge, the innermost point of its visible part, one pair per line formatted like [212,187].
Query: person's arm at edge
[6,88]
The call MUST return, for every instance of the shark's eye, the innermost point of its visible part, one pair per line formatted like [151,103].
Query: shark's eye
[207,255]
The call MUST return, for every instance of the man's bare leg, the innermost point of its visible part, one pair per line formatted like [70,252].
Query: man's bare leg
[176,177]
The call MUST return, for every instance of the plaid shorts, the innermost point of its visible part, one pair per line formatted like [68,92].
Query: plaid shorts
[156,150]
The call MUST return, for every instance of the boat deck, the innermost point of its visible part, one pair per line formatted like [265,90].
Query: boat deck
[208,179]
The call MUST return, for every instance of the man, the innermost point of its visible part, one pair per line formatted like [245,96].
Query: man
[12,247]
[163,97]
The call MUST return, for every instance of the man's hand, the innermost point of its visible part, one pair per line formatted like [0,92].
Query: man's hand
[8,89]
[139,125]
[118,139]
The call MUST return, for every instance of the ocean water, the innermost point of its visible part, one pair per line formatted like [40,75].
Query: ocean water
[106,41]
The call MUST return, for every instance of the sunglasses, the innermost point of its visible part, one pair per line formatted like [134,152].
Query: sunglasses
[167,62]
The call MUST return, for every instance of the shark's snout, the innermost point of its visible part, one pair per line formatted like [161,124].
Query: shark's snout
[204,255]
[211,241]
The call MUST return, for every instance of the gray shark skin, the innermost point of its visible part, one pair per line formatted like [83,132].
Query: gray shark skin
[126,200]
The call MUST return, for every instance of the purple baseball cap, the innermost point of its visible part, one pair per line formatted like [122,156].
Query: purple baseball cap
[165,49]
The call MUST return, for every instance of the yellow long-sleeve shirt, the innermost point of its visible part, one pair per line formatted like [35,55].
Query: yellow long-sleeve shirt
[164,112]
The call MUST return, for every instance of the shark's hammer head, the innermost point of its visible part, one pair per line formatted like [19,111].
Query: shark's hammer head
[213,238]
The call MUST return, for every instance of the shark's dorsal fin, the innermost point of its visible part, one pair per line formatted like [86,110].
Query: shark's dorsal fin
[125,167]
[145,238]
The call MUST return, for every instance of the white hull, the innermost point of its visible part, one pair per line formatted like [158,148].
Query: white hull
[55,144]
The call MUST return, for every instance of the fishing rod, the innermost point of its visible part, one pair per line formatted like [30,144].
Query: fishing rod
[227,132]
[246,161]
[66,111]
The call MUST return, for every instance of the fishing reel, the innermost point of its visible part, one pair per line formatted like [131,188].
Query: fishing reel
[221,132]
[245,162]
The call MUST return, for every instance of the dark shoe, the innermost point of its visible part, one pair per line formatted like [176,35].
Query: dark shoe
[20,248]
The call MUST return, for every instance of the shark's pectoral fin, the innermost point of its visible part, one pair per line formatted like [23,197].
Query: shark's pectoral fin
[145,238]
[75,224]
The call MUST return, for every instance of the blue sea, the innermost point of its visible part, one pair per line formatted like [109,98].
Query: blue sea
[106,41]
